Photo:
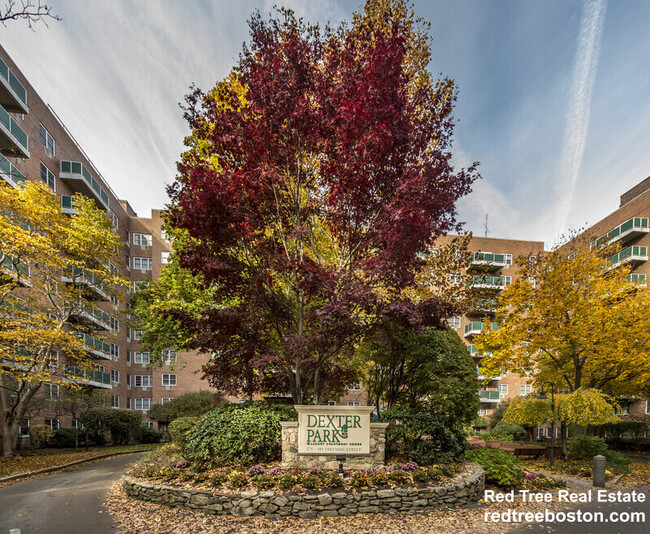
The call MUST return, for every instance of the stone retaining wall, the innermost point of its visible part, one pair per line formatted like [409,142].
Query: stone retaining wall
[465,487]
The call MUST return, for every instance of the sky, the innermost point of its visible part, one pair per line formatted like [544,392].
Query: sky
[552,96]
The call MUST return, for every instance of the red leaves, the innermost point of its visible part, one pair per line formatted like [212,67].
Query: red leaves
[310,190]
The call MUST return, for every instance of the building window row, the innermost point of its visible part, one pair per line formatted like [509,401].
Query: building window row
[142,264]
[143,240]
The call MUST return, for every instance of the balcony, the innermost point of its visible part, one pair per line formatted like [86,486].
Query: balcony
[92,316]
[81,181]
[13,139]
[484,306]
[92,284]
[13,96]
[66,205]
[96,379]
[490,282]
[486,395]
[475,328]
[624,232]
[10,174]
[95,346]
[17,272]
[633,255]
[474,352]
[636,278]
[487,261]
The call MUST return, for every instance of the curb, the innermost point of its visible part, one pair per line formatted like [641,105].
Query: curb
[65,466]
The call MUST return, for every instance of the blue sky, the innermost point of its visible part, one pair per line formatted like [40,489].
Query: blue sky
[553,95]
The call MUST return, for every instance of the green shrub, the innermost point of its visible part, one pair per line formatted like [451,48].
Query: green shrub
[149,435]
[423,437]
[331,480]
[400,477]
[585,447]
[243,435]
[616,459]
[420,475]
[263,482]
[178,430]
[501,467]
[311,481]
[434,473]
[238,479]
[122,425]
[65,438]
[359,479]
[508,432]
[42,433]
[287,482]
[379,477]
[218,479]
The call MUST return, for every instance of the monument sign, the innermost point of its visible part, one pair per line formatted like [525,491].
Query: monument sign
[334,430]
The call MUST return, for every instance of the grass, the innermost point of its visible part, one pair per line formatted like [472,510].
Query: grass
[29,460]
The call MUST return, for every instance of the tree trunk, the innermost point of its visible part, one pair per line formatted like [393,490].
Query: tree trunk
[8,439]
[563,440]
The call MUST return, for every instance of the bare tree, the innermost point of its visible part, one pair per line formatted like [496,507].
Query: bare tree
[32,12]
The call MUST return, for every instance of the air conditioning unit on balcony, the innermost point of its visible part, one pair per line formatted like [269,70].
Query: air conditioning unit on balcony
[145,389]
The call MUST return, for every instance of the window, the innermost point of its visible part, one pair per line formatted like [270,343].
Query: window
[508,258]
[128,403]
[164,256]
[51,391]
[115,401]
[525,389]
[531,281]
[53,359]
[482,412]
[169,356]
[48,177]
[115,351]
[164,236]
[128,380]
[548,432]
[52,423]
[142,358]
[502,389]
[24,428]
[47,140]
[165,400]
[625,409]
[144,264]
[113,218]
[168,379]
[76,423]
[149,423]
[128,262]
[144,240]
[115,324]
[454,322]
[540,432]
[143,404]
[354,403]
[128,357]
[143,381]
[331,403]
[115,376]
[647,406]
[137,335]
[455,278]
[128,238]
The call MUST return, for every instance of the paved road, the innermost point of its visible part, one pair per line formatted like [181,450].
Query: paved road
[70,502]
[605,527]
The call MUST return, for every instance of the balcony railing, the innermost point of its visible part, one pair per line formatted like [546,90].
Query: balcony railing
[13,139]
[10,174]
[95,345]
[94,378]
[490,282]
[92,315]
[488,260]
[488,395]
[630,229]
[476,328]
[13,96]
[80,180]
[18,271]
[90,281]
[630,254]
[636,278]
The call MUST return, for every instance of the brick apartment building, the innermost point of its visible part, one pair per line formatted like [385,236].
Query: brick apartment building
[35,144]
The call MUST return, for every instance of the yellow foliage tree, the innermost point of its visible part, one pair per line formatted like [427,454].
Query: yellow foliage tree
[52,269]
[575,320]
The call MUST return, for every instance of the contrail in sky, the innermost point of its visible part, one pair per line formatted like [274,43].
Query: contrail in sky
[577,118]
